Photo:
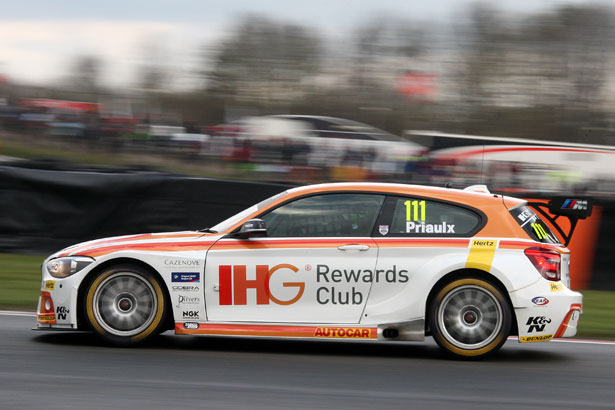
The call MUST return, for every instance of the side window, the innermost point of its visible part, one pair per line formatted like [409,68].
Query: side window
[422,217]
[327,215]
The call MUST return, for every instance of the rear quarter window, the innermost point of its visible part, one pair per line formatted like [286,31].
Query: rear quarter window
[424,217]
[531,223]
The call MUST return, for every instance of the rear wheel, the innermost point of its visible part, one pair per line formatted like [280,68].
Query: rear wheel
[125,305]
[470,318]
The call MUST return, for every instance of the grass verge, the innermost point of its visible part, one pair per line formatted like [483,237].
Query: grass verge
[20,281]
[598,318]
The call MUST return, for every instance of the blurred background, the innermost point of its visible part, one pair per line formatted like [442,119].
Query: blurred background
[191,88]
[111,116]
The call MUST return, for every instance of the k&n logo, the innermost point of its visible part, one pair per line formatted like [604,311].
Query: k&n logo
[537,323]
[234,285]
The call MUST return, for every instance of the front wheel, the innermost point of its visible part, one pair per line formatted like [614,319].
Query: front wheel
[125,305]
[470,318]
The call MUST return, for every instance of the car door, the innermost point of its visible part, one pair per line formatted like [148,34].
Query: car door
[314,265]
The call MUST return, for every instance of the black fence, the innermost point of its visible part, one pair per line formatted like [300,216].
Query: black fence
[44,208]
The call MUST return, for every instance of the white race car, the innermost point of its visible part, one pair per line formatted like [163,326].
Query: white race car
[354,260]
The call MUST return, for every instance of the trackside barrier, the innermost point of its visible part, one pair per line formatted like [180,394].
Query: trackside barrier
[42,211]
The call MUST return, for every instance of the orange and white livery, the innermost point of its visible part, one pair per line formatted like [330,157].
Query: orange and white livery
[365,261]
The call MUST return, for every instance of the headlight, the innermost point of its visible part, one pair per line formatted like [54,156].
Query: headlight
[63,267]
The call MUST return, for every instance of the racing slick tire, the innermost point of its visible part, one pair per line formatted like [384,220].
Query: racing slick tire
[125,305]
[470,318]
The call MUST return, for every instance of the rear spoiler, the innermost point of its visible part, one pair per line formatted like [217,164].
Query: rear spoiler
[572,208]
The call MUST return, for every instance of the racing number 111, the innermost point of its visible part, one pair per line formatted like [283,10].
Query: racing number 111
[412,210]
[539,231]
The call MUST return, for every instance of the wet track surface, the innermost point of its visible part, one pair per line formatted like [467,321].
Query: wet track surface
[52,370]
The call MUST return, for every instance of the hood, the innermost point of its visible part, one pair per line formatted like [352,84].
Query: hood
[148,241]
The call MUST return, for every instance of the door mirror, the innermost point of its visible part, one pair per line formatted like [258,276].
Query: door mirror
[253,228]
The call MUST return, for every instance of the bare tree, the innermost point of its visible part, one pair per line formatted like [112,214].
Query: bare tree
[85,74]
[263,59]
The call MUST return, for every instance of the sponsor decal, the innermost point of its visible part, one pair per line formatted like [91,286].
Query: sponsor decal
[556,286]
[184,288]
[394,275]
[181,262]
[342,332]
[422,227]
[190,314]
[540,338]
[540,301]
[383,229]
[477,243]
[50,285]
[575,204]
[537,323]
[233,285]
[329,295]
[185,277]
[62,311]
[525,215]
[46,313]
[481,254]
[276,330]
[187,300]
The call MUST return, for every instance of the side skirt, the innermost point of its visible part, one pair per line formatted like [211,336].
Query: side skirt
[413,330]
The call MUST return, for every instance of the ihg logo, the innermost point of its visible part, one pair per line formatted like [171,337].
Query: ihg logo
[234,285]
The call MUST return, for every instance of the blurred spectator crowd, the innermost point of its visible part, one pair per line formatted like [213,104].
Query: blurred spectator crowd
[289,149]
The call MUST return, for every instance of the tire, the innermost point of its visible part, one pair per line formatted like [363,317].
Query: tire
[470,318]
[125,305]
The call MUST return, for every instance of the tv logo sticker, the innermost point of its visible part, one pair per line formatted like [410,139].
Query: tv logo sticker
[234,285]
[191,277]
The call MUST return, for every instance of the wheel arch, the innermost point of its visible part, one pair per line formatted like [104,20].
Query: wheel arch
[464,273]
[82,323]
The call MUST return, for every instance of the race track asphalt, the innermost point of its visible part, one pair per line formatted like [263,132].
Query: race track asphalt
[53,370]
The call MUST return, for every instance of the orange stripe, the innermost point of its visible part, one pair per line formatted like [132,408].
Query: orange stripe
[562,328]
[279,331]
[416,242]
[301,243]
[524,245]
[325,243]
[75,251]
[156,246]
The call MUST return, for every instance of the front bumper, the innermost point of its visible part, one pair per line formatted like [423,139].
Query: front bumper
[57,303]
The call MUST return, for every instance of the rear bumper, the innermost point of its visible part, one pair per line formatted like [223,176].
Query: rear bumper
[546,310]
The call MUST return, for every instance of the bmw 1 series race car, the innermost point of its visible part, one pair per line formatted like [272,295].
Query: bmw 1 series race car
[352,261]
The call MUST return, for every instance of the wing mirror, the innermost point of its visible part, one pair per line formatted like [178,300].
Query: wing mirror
[253,228]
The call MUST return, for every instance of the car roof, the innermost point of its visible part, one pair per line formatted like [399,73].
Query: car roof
[463,196]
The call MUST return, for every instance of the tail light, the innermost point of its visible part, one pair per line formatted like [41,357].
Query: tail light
[546,262]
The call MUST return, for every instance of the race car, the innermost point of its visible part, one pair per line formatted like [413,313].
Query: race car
[365,261]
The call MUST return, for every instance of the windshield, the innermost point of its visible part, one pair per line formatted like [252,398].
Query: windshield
[228,223]
[535,227]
